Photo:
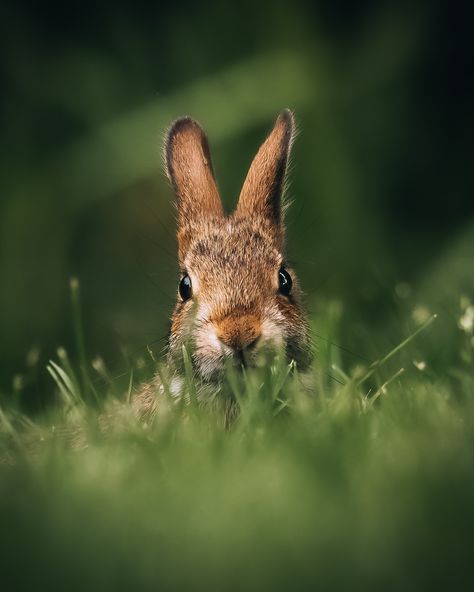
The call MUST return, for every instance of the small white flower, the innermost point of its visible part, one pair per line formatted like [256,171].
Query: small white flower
[420,314]
[466,322]
[421,365]
[98,364]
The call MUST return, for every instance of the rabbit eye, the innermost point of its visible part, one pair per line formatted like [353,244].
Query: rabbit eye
[285,282]
[185,288]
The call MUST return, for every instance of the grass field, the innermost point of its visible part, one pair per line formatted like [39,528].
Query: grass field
[363,481]
[358,476]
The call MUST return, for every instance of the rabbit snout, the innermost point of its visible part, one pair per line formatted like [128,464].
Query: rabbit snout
[239,333]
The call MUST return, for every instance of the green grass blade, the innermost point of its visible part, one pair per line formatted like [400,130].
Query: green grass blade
[379,363]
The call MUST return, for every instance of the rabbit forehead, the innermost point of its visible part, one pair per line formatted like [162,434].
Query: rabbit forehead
[232,250]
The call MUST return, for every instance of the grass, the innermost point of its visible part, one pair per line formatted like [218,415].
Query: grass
[364,482]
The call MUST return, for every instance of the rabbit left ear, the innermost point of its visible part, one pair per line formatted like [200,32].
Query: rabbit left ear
[189,168]
[262,190]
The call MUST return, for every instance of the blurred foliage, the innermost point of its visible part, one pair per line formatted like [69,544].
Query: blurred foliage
[382,219]
[332,490]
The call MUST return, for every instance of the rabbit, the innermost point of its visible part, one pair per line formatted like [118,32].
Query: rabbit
[236,294]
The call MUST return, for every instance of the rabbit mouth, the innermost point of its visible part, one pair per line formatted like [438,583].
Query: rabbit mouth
[212,368]
[241,359]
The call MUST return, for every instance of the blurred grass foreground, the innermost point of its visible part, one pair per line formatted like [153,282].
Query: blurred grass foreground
[363,481]
[366,482]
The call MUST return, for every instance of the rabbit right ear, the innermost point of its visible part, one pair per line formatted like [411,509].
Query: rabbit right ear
[262,191]
[189,168]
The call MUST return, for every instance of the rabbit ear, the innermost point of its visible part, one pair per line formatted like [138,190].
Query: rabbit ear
[262,190]
[189,168]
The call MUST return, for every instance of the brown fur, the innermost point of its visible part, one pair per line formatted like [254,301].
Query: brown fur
[233,261]
[262,189]
[189,168]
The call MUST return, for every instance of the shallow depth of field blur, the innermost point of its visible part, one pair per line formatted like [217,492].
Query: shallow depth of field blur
[380,230]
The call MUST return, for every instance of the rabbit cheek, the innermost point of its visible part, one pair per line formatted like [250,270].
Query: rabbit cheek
[297,340]
[208,354]
[272,333]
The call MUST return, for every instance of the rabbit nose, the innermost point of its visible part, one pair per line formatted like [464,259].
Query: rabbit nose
[239,333]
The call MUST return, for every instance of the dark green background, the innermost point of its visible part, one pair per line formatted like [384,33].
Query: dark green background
[381,176]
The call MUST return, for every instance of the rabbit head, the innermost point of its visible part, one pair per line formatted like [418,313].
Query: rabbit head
[237,296]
